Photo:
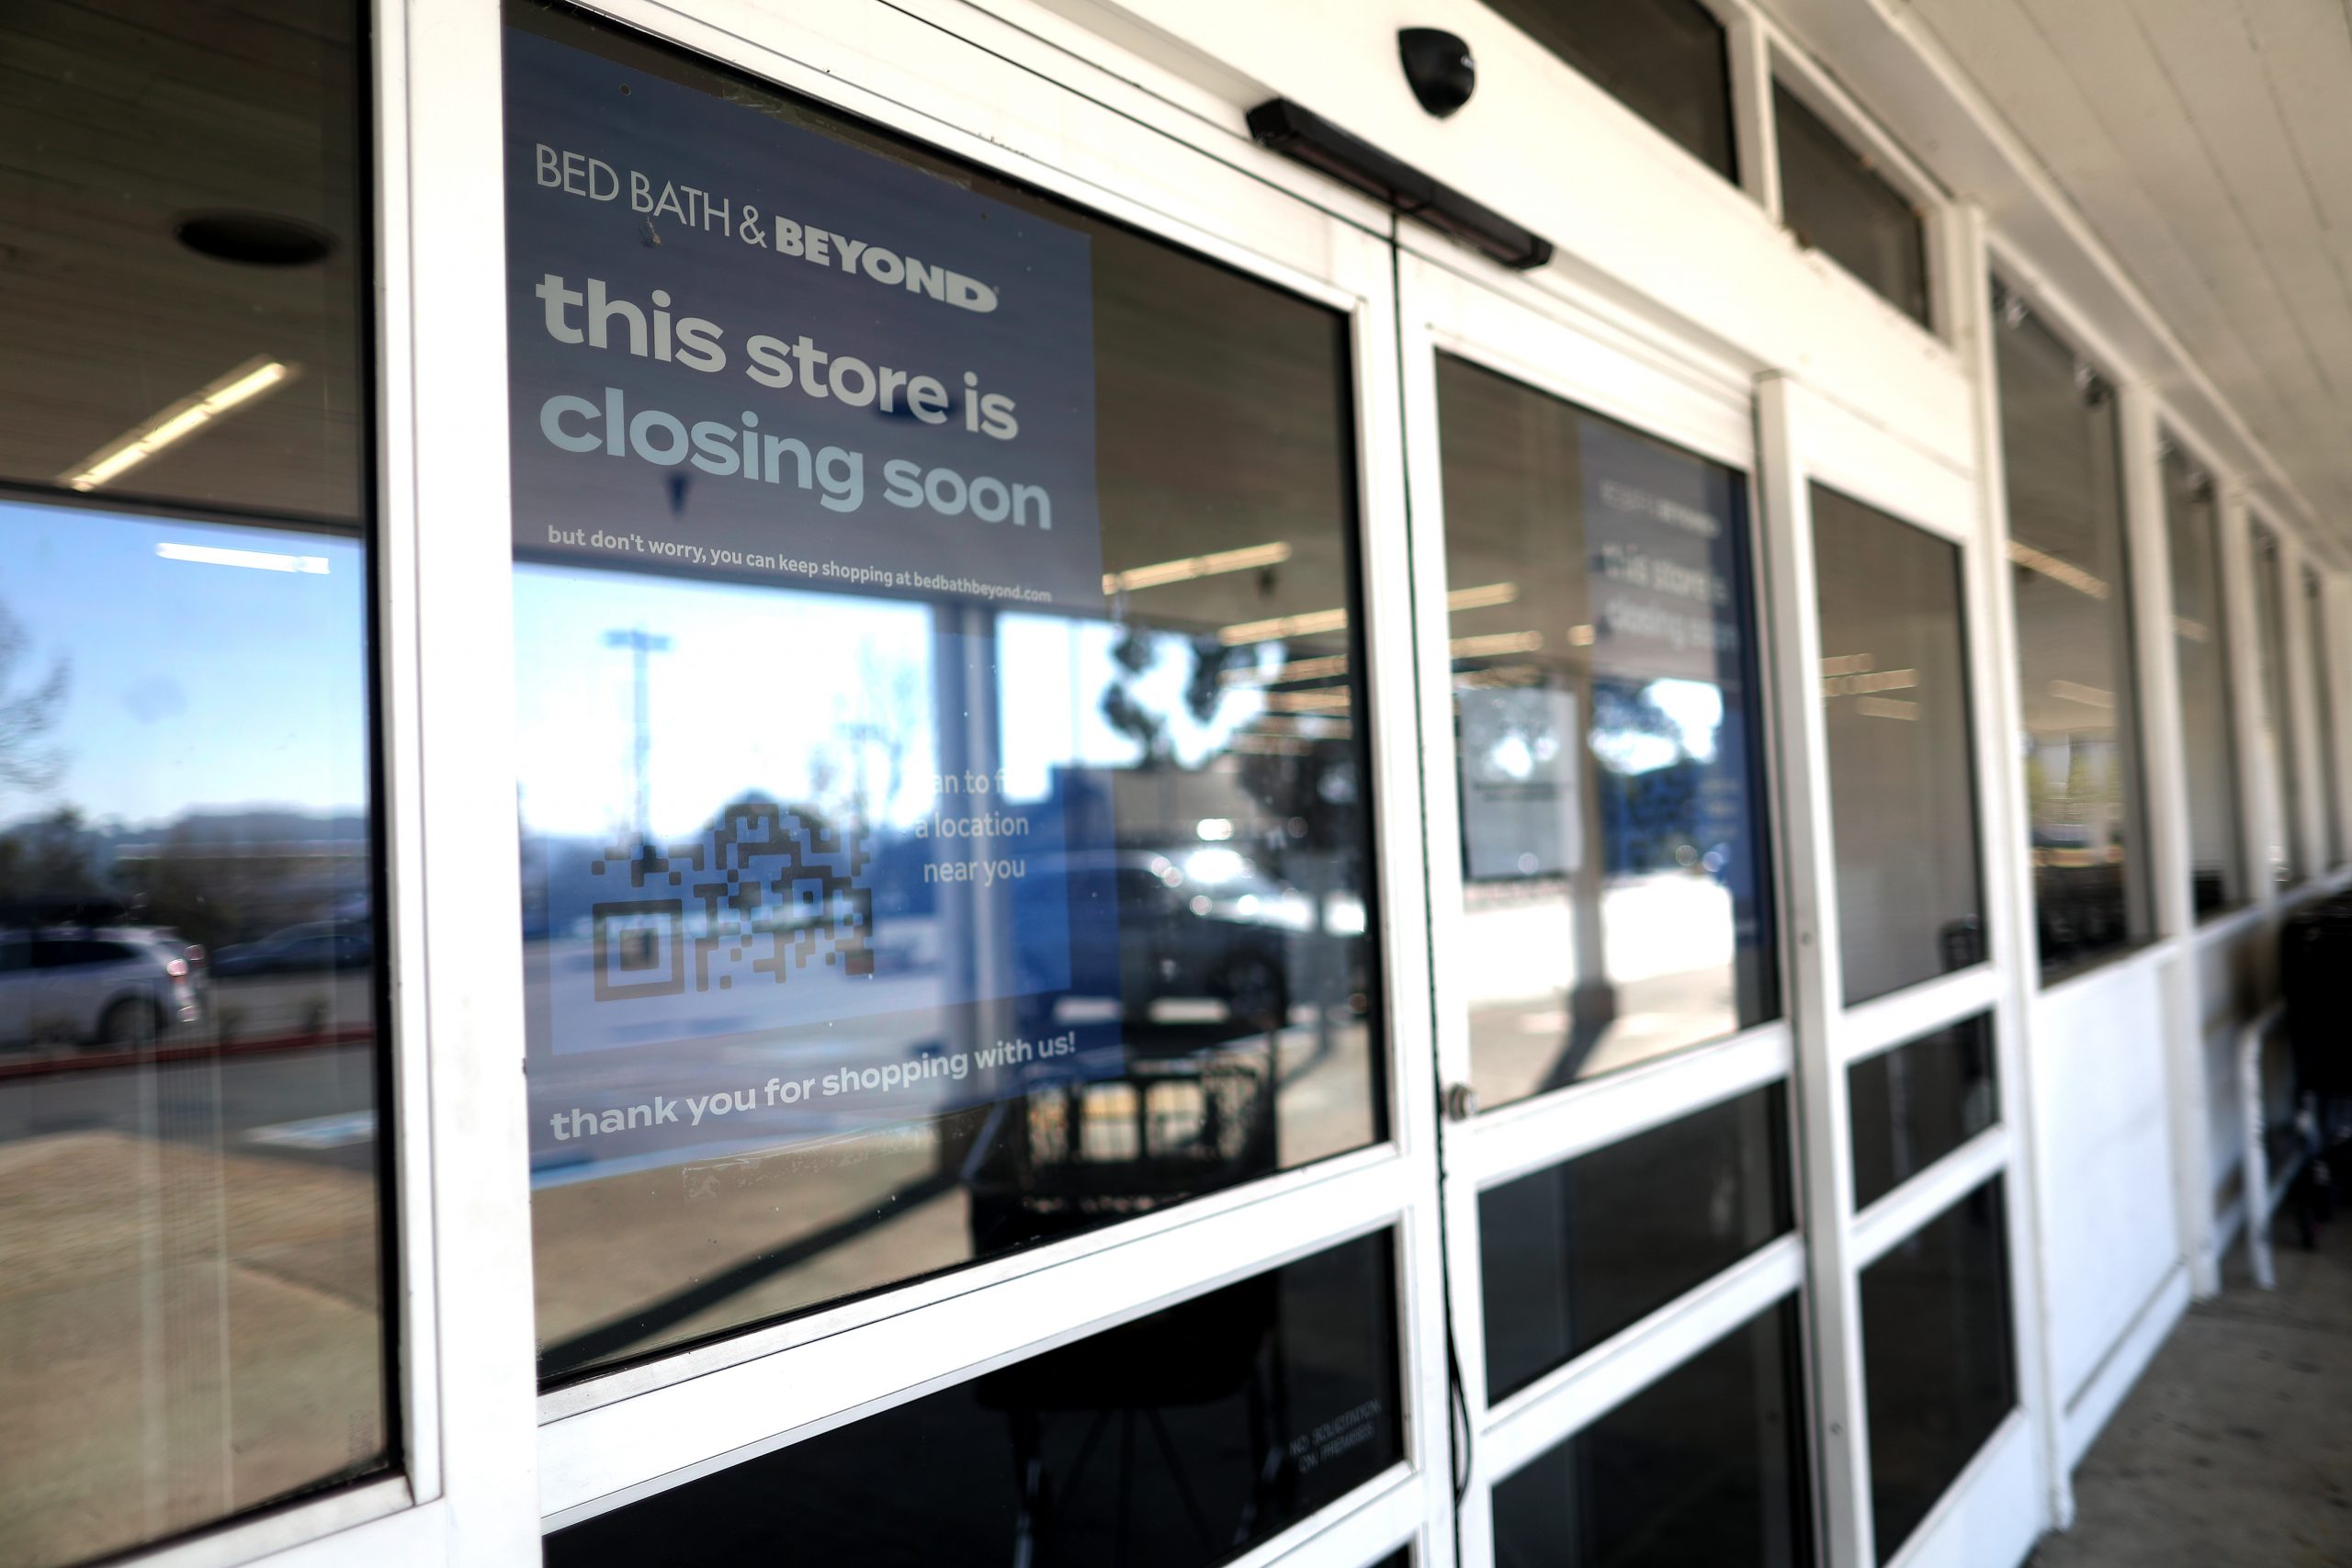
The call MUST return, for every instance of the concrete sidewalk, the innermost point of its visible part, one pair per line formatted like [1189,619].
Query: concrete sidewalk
[2236,1446]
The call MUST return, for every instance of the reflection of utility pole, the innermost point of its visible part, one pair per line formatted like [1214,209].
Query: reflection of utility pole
[641,644]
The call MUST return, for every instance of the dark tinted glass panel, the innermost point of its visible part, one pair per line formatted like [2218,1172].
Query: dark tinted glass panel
[1177,1441]
[2291,856]
[1663,59]
[1902,771]
[1706,1465]
[1614,866]
[1937,1358]
[2073,596]
[1918,1102]
[2201,654]
[2323,691]
[1570,1255]
[945,828]
[1837,202]
[191,1301]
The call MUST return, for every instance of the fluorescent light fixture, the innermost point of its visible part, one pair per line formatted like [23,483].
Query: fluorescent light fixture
[2195,631]
[1308,625]
[1887,707]
[2090,697]
[1581,637]
[1248,558]
[1324,668]
[2058,571]
[183,418]
[1307,702]
[1498,642]
[1482,598]
[1867,680]
[255,561]
[1316,621]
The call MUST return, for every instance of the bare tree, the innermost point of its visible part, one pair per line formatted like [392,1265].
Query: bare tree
[28,716]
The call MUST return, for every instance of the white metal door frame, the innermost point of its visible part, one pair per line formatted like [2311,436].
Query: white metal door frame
[1545,337]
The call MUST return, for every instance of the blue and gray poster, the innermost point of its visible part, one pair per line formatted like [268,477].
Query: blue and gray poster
[778,393]
[743,347]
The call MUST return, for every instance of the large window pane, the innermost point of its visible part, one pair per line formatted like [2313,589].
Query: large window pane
[2074,673]
[2323,693]
[2201,653]
[1572,1255]
[192,1318]
[1913,1105]
[2293,856]
[1836,201]
[1179,1440]
[1937,1361]
[906,880]
[1663,59]
[1902,771]
[1614,857]
[1706,1465]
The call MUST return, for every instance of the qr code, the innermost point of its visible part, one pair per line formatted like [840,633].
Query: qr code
[759,895]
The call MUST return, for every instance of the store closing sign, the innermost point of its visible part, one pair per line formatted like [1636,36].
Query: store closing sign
[739,347]
[767,382]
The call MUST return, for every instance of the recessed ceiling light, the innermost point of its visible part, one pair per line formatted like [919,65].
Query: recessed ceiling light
[253,239]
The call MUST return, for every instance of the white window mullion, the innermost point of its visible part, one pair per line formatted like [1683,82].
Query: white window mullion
[1826,1184]
[458,981]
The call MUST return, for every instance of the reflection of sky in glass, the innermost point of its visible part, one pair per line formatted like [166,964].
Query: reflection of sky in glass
[1056,673]
[1694,708]
[193,683]
[777,691]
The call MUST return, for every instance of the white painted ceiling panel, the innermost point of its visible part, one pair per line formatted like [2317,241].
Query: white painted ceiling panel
[2209,143]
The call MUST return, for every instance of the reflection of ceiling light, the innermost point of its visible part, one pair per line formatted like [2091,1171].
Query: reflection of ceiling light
[257,560]
[1328,666]
[1316,621]
[1846,664]
[1494,643]
[2195,631]
[2057,570]
[1581,637]
[1885,707]
[1190,567]
[2090,697]
[183,418]
[1215,828]
[1872,681]
[1307,702]
[1308,625]
[1493,593]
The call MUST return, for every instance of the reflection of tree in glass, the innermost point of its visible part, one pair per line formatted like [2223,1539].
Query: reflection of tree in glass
[1124,707]
[1648,781]
[893,714]
[48,861]
[28,716]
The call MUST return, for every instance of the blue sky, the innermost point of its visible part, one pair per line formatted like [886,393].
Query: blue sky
[194,685]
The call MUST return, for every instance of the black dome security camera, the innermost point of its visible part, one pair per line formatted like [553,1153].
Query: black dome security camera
[1439,67]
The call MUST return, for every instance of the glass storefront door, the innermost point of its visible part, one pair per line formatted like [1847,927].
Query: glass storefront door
[979,1093]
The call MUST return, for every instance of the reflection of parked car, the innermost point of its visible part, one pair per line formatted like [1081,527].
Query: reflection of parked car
[317,945]
[113,984]
[1220,936]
